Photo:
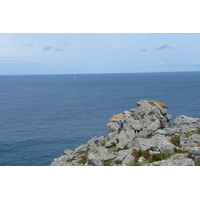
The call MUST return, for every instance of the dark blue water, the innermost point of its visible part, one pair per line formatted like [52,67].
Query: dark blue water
[42,115]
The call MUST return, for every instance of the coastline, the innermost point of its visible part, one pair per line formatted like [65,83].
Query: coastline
[147,139]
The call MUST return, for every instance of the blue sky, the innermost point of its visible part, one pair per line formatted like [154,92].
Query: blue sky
[82,53]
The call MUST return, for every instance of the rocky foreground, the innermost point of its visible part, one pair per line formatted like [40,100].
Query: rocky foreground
[147,139]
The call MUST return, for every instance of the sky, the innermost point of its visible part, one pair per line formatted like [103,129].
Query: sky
[86,53]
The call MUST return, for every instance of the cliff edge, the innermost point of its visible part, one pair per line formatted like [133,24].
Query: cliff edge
[146,139]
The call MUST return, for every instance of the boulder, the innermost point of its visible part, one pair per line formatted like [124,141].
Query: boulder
[176,160]
[162,143]
[154,126]
[129,159]
[186,124]
[111,143]
[102,152]
[136,124]
[93,160]
[145,128]
[121,156]
[194,153]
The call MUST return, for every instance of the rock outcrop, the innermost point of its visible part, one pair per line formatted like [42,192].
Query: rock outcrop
[147,138]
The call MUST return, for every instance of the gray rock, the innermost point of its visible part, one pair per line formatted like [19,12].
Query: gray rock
[93,142]
[131,134]
[145,127]
[130,144]
[129,159]
[186,124]
[160,132]
[112,127]
[109,157]
[141,159]
[194,153]
[143,143]
[136,124]
[111,143]
[93,160]
[176,160]
[191,141]
[80,149]
[102,152]
[121,156]
[154,126]
[162,143]
[68,152]
[122,143]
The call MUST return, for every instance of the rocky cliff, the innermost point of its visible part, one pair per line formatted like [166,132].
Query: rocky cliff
[146,138]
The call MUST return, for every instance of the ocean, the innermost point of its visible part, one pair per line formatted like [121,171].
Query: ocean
[42,115]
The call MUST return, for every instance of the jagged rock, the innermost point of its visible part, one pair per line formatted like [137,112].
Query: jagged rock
[160,132]
[135,124]
[111,143]
[109,157]
[112,127]
[194,153]
[141,159]
[162,143]
[102,152]
[186,124]
[129,159]
[93,160]
[68,152]
[189,140]
[131,134]
[143,143]
[176,160]
[146,129]
[121,156]
[80,149]
[154,126]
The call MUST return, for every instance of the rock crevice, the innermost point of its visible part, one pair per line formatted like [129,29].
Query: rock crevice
[147,138]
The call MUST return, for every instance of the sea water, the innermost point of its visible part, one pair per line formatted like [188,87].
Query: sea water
[42,115]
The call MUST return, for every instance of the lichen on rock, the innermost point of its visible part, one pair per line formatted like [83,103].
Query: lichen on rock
[147,131]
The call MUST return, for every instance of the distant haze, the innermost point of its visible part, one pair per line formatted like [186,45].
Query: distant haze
[85,53]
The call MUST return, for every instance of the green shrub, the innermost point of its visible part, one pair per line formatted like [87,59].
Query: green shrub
[106,163]
[197,163]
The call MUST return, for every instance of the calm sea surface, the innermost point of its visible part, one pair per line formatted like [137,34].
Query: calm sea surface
[42,115]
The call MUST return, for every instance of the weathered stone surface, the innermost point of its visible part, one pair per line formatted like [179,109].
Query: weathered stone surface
[146,130]
[194,153]
[186,124]
[102,152]
[129,159]
[189,141]
[68,152]
[176,160]
[93,160]
[162,143]
[121,156]
[136,124]
[131,134]
[112,126]
[109,157]
[111,143]
[80,148]
[154,126]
